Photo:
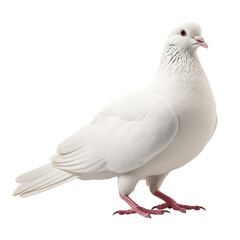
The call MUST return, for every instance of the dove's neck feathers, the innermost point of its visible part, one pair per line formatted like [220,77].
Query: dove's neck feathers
[180,65]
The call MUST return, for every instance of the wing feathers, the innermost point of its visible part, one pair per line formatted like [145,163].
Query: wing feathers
[123,137]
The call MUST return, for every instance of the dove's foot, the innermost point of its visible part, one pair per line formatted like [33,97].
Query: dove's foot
[170,203]
[137,209]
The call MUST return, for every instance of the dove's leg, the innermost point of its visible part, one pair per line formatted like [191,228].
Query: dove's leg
[154,183]
[137,209]
[126,184]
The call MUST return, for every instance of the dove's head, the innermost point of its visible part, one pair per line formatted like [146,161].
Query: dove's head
[186,37]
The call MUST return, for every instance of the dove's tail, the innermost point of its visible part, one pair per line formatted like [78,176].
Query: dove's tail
[41,179]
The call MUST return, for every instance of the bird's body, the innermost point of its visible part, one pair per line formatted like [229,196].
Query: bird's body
[194,105]
[142,135]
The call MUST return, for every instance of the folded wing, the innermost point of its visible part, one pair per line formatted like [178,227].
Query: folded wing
[125,135]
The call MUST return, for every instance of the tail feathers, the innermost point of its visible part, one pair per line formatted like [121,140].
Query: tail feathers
[35,173]
[41,179]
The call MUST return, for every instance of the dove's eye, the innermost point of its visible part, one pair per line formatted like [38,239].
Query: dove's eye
[183,33]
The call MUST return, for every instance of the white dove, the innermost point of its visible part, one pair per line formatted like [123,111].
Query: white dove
[143,135]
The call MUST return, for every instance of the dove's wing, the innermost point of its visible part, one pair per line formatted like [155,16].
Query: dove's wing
[124,136]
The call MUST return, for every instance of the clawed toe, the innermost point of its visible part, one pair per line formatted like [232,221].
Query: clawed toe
[187,207]
[178,207]
[141,211]
[131,211]
[162,206]
[123,212]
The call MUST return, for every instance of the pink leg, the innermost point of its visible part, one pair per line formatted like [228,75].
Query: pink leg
[137,209]
[170,203]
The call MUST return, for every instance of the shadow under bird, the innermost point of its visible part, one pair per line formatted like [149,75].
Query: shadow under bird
[143,135]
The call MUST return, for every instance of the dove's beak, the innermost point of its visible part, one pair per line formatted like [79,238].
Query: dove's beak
[201,41]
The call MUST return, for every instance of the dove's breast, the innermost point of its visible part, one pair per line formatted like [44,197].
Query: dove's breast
[196,111]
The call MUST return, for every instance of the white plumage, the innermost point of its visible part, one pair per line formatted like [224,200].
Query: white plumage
[144,134]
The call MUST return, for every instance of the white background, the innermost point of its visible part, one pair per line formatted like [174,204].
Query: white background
[61,61]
